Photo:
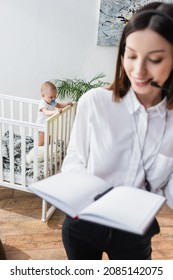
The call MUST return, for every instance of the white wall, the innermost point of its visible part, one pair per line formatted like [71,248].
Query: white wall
[45,39]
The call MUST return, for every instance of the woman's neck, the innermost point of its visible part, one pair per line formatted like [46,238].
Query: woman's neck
[148,101]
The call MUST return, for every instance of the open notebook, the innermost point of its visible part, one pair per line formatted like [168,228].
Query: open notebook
[90,198]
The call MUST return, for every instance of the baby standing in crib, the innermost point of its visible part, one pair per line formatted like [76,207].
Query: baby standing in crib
[48,106]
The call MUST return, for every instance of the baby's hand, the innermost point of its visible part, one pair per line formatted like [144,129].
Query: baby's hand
[59,110]
[70,103]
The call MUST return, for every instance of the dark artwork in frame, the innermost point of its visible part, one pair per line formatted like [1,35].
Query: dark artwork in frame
[114,15]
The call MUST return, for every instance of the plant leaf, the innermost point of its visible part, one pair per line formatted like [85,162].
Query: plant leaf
[75,88]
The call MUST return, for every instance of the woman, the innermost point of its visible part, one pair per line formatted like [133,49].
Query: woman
[123,134]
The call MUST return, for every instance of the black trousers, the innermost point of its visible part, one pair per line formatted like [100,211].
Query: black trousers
[87,241]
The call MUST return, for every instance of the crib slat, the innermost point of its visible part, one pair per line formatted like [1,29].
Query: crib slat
[46,148]
[21,111]
[11,109]
[51,150]
[60,140]
[55,146]
[2,108]
[11,146]
[23,155]
[72,116]
[35,164]
[63,135]
[2,114]
[68,126]
[1,158]
[65,130]
[30,112]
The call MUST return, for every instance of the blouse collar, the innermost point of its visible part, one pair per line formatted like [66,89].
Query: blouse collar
[133,105]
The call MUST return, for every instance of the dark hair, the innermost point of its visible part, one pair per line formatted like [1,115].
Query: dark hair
[157,16]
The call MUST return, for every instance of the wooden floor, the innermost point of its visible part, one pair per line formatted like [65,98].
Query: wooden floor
[25,237]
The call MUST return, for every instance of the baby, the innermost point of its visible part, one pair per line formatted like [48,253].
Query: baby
[48,106]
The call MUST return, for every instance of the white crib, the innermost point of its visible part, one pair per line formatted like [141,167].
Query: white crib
[21,160]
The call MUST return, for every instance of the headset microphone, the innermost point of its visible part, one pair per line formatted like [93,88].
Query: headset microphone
[154,84]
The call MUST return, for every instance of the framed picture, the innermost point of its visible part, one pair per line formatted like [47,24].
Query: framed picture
[114,15]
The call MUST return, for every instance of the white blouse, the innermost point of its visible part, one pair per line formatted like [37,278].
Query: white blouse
[117,141]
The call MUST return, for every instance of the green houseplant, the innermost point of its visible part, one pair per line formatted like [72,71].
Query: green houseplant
[75,88]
